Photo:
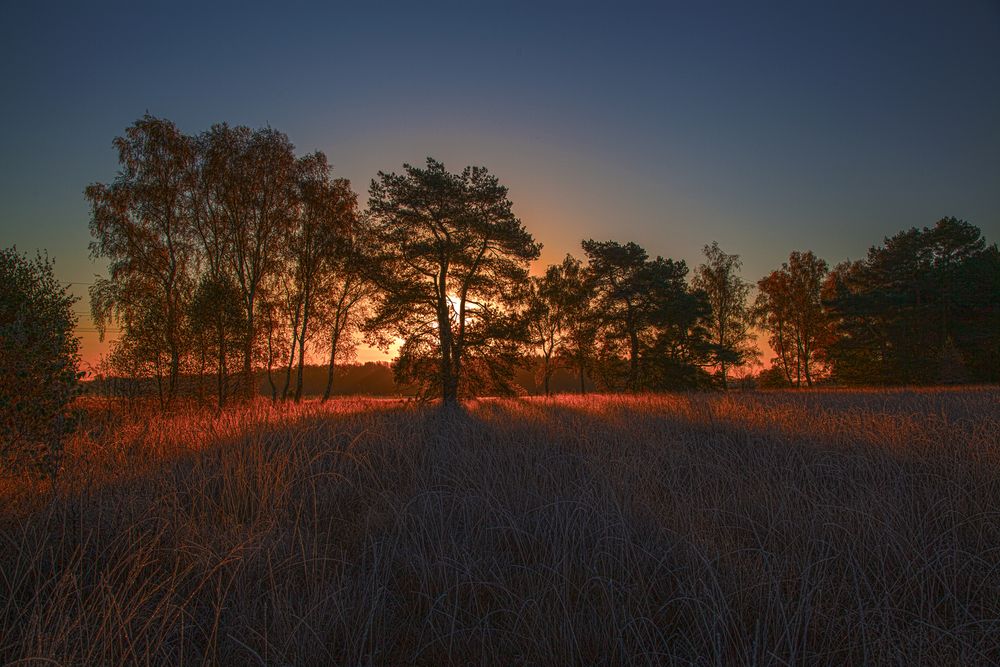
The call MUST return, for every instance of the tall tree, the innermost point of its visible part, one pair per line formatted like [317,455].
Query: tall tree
[550,299]
[451,254]
[620,275]
[250,178]
[680,346]
[923,307]
[581,321]
[649,316]
[326,212]
[789,307]
[349,293]
[731,320]
[142,224]
[216,309]
[216,318]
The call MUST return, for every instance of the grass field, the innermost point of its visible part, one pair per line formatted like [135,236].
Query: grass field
[759,528]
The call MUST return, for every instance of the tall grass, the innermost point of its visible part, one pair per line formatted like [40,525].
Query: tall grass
[760,529]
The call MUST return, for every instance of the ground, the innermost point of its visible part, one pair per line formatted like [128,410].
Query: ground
[834,527]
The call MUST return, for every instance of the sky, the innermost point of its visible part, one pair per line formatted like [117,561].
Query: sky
[768,127]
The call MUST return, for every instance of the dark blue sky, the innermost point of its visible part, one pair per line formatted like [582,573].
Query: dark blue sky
[804,125]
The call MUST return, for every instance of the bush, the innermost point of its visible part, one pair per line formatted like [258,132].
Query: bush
[39,356]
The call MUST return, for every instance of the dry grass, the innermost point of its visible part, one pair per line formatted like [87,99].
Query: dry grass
[763,529]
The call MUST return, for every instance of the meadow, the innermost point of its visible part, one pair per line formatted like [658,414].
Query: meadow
[820,527]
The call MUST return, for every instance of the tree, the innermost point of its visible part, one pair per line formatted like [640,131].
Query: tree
[790,309]
[142,224]
[681,349]
[551,299]
[731,319]
[250,182]
[216,312]
[649,317]
[451,254]
[348,296]
[39,356]
[581,322]
[923,307]
[621,280]
[215,318]
[326,211]
[646,309]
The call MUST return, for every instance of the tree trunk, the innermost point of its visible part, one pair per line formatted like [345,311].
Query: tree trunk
[270,363]
[633,360]
[545,372]
[289,366]
[633,353]
[331,368]
[449,373]
[248,382]
[302,350]
[248,367]
[450,394]
[583,387]
[449,366]
[221,370]
[291,354]
[159,381]
[175,365]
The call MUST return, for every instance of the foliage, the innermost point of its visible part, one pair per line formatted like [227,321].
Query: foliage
[558,317]
[922,308]
[649,316]
[249,180]
[451,257]
[38,362]
[227,252]
[790,309]
[220,245]
[216,317]
[141,223]
[731,319]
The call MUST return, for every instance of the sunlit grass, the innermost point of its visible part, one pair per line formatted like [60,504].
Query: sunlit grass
[767,528]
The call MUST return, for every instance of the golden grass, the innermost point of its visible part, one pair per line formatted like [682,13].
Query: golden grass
[765,529]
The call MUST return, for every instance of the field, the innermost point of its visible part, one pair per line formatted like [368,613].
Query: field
[751,528]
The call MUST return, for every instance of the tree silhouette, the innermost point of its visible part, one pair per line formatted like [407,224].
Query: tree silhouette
[621,278]
[451,255]
[142,223]
[326,212]
[250,180]
[549,300]
[581,321]
[38,363]
[216,317]
[649,316]
[790,309]
[731,320]
[349,292]
[923,307]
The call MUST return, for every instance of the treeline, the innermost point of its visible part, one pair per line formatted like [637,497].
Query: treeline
[370,378]
[229,255]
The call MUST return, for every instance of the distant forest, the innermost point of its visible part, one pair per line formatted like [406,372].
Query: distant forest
[371,378]
[231,261]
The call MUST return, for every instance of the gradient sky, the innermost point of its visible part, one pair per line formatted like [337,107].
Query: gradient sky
[802,125]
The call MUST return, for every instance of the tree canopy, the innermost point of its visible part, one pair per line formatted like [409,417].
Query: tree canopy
[39,356]
[451,257]
[922,308]
[230,255]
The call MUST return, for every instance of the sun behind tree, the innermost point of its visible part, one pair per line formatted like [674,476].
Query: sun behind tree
[449,244]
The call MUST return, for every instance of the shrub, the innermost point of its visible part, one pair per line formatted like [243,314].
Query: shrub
[38,364]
